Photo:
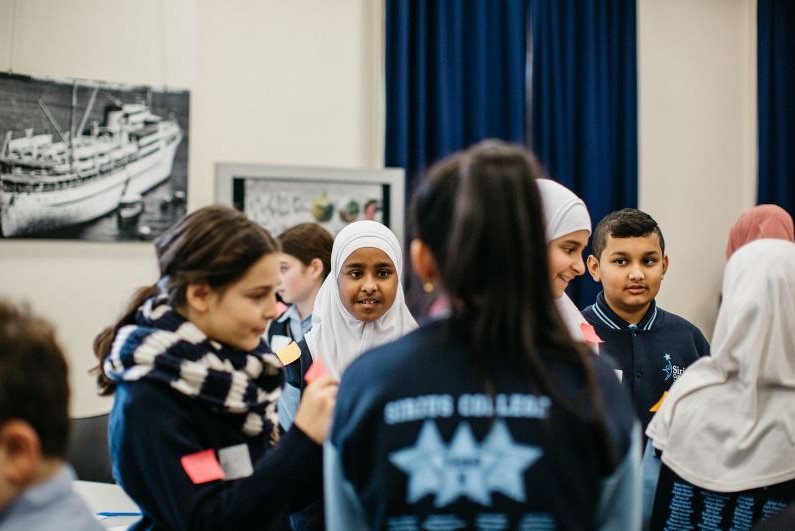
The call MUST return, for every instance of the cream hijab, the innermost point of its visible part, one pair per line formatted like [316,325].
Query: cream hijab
[337,337]
[728,423]
[564,213]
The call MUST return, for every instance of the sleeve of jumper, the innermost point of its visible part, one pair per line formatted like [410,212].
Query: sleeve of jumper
[619,502]
[343,508]
[152,437]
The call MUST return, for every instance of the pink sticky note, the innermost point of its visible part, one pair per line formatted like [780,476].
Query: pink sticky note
[589,334]
[202,467]
[315,371]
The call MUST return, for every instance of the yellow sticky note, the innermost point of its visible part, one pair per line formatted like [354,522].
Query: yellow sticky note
[289,354]
[655,407]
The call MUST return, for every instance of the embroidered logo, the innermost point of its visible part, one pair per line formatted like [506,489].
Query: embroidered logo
[670,370]
[463,467]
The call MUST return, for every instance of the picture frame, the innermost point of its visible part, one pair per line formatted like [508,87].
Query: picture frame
[279,197]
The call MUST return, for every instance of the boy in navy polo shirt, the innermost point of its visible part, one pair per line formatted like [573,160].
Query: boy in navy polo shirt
[651,346]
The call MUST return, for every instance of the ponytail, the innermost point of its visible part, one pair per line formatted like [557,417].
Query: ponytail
[103,342]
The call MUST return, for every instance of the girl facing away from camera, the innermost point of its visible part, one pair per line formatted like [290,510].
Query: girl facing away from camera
[194,435]
[490,416]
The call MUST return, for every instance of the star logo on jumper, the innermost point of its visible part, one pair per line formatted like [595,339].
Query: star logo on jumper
[463,467]
[668,369]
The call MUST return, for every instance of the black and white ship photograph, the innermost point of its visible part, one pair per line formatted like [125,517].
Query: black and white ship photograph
[89,160]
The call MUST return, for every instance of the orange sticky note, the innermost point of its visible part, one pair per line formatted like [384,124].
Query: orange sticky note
[589,334]
[315,371]
[202,467]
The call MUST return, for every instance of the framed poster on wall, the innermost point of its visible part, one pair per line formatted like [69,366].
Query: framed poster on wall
[279,197]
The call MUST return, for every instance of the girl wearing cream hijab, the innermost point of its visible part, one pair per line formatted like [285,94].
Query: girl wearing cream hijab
[360,304]
[728,423]
[568,227]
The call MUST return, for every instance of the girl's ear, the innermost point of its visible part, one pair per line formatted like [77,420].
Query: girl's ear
[197,296]
[422,261]
[316,268]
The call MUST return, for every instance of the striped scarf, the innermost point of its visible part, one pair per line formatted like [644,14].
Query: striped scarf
[163,346]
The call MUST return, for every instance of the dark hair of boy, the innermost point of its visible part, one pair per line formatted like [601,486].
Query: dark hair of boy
[624,223]
[506,306]
[307,241]
[215,245]
[33,378]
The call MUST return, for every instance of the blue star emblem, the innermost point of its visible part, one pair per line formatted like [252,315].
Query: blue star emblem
[464,467]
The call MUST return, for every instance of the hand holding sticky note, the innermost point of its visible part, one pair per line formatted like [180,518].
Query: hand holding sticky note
[316,370]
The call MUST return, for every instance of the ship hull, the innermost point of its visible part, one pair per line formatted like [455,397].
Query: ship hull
[30,212]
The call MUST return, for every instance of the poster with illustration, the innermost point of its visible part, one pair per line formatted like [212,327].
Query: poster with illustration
[280,197]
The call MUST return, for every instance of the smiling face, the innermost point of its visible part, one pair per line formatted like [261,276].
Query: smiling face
[631,271]
[565,260]
[238,315]
[368,283]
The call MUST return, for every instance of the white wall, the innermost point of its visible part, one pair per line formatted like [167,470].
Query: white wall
[697,138]
[271,81]
[297,82]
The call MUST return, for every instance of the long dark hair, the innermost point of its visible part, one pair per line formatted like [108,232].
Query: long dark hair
[479,211]
[215,245]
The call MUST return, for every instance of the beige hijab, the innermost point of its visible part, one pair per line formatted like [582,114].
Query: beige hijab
[728,423]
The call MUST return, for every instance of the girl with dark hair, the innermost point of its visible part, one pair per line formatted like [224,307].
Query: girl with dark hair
[194,425]
[490,416]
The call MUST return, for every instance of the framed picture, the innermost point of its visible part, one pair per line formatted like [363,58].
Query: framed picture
[91,160]
[279,197]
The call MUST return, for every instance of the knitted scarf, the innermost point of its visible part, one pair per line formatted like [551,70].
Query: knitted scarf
[163,346]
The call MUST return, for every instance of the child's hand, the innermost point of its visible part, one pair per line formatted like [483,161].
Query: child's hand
[317,405]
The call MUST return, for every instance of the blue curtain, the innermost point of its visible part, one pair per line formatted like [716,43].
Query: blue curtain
[584,104]
[776,103]
[455,74]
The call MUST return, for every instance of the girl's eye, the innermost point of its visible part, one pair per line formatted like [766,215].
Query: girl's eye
[355,274]
[621,261]
[384,273]
[650,261]
[283,269]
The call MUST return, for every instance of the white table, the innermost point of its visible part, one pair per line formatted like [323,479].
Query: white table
[108,498]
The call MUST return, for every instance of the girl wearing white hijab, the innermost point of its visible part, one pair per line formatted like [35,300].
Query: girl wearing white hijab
[568,227]
[728,423]
[339,334]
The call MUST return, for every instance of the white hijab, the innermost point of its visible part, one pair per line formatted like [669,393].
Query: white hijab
[337,337]
[564,213]
[728,423]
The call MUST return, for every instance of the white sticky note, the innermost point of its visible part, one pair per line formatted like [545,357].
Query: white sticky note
[279,342]
[236,461]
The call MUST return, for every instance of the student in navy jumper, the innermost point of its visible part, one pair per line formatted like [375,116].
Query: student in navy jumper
[304,264]
[725,431]
[194,427]
[652,347]
[491,416]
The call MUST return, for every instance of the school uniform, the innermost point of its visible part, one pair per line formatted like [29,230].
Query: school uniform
[416,443]
[650,355]
[282,331]
[722,440]
[51,504]
[193,429]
